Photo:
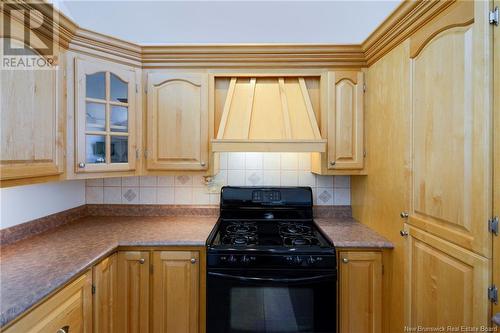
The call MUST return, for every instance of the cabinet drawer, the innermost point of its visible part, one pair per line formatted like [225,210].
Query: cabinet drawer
[70,310]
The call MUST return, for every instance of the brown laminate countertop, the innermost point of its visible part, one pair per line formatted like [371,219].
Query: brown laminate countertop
[33,268]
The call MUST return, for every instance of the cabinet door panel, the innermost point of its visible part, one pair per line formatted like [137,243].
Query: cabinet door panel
[133,292]
[177,122]
[105,113]
[345,121]
[446,284]
[104,275]
[32,139]
[360,292]
[451,192]
[176,291]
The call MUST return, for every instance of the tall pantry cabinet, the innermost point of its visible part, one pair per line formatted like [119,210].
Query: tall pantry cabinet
[442,259]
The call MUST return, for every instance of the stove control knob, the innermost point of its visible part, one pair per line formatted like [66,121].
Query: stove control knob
[232,259]
[311,260]
[289,260]
[298,260]
[245,260]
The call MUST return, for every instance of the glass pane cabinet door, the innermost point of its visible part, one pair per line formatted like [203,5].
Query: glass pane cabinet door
[104,112]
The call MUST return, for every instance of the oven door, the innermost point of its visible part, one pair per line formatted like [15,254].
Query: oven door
[271,301]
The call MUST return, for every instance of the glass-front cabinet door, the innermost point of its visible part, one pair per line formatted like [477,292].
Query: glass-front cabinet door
[105,112]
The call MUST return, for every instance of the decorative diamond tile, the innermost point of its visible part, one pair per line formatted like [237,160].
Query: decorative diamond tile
[130,195]
[182,180]
[325,196]
[254,178]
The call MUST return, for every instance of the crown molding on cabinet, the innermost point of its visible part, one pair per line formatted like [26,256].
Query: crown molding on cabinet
[407,18]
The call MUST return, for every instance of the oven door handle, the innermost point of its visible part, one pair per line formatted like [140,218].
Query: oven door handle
[280,280]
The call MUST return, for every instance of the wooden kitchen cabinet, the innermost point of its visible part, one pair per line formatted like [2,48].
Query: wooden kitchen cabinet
[176,290]
[133,274]
[177,122]
[32,134]
[451,120]
[105,116]
[342,124]
[105,294]
[360,292]
[69,310]
[446,284]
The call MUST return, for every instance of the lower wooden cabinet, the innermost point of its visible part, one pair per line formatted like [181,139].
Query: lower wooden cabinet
[69,310]
[360,292]
[148,291]
[446,284]
[176,291]
[132,308]
[105,295]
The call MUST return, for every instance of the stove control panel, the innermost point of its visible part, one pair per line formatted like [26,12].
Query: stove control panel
[271,261]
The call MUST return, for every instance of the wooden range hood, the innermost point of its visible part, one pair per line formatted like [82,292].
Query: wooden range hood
[268,114]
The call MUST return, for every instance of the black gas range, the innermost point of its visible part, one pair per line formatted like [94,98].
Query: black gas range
[269,267]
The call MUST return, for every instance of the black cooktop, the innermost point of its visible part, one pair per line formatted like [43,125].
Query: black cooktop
[267,219]
[268,234]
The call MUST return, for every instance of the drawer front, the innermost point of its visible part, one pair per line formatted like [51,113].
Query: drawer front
[68,311]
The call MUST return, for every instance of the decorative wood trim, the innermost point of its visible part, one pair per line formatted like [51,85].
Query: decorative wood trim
[248,114]
[284,109]
[309,108]
[226,145]
[227,106]
[409,17]
[460,15]
[253,55]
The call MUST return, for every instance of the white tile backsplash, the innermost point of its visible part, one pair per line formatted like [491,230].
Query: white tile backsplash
[237,169]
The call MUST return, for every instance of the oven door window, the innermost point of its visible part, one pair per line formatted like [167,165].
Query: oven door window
[242,303]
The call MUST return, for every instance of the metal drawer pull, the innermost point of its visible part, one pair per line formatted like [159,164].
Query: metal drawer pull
[64,329]
[404,215]
[81,165]
[403,233]
[345,260]
[142,261]
[193,260]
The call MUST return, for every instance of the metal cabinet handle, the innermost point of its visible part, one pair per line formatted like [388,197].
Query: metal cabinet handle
[193,260]
[64,329]
[332,162]
[345,260]
[81,165]
[404,215]
[142,261]
[203,164]
[403,233]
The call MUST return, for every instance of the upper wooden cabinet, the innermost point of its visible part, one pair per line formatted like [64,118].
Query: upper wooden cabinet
[451,162]
[342,123]
[360,292]
[105,117]
[32,132]
[177,122]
